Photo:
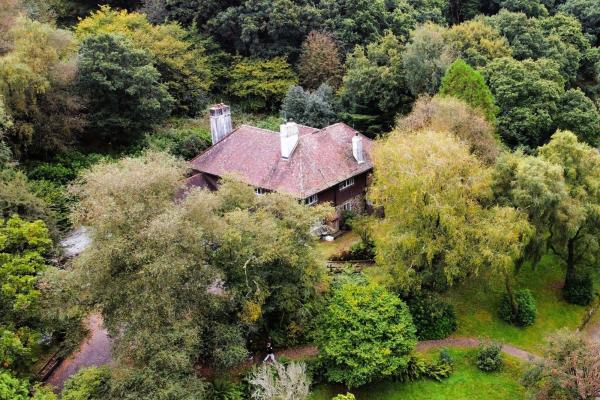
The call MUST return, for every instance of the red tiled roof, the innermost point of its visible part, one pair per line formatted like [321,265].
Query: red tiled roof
[322,159]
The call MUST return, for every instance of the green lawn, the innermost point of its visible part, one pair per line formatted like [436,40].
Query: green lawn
[466,383]
[328,249]
[476,304]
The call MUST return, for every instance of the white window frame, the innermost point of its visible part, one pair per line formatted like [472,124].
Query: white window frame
[310,200]
[260,191]
[347,183]
[347,206]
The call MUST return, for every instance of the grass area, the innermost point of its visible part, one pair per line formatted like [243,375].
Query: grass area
[476,303]
[467,382]
[328,249]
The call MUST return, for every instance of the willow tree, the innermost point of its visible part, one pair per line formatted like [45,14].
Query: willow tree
[439,221]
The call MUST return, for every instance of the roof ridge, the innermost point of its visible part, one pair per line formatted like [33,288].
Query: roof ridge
[260,129]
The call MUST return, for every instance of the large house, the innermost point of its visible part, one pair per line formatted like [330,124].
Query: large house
[329,165]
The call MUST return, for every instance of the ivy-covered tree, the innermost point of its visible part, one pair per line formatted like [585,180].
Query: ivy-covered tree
[364,334]
[124,91]
[463,82]
[261,85]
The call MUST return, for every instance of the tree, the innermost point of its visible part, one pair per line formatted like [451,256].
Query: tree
[531,8]
[477,42]
[588,14]
[124,91]
[215,267]
[463,82]
[437,226]
[313,109]
[574,233]
[36,79]
[446,114]
[5,125]
[579,114]
[182,63]
[87,384]
[280,382]
[320,61]
[569,369]
[22,247]
[426,59]
[365,333]
[261,84]
[527,93]
[374,87]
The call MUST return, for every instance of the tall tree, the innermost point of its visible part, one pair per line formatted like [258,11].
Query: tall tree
[437,227]
[182,63]
[574,234]
[36,79]
[426,58]
[463,82]
[123,88]
[320,61]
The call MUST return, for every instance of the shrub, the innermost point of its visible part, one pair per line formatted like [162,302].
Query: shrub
[526,309]
[89,383]
[225,390]
[418,368]
[180,142]
[347,396]
[579,289]
[445,357]
[280,382]
[433,318]
[489,356]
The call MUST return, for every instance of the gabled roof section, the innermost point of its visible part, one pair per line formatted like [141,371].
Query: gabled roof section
[322,159]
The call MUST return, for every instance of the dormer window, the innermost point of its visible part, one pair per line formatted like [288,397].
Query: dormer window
[312,199]
[259,191]
[347,183]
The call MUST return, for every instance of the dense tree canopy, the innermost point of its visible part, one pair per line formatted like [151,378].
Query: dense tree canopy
[312,109]
[365,333]
[214,268]
[124,90]
[320,61]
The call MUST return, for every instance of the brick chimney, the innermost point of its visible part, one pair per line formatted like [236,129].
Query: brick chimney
[220,122]
[288,133]
[357,149]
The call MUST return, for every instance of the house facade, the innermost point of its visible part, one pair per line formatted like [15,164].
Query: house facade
[329,165]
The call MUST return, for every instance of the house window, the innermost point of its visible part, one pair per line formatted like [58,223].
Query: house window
[347,183]
[312,199]
[260,191]
[347,206]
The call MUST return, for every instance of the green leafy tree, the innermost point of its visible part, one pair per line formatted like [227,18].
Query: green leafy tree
[574,233]
[214,267]
[36,79]
[426,59]
[578,114]
[436,225]
[365,333]
[87,384]
[477,42]
[182,63]
[463,82]
[320,61]
[313,109]
[374,88]
[528,93]
[587,13]
[124,91]
[22,247]
[261,84]
[531,8]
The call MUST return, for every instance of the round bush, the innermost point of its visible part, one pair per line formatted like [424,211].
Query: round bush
[433,318]
[526,308]
[579,289]
[489,357]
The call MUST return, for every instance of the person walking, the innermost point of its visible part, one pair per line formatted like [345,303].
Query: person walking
[270,352]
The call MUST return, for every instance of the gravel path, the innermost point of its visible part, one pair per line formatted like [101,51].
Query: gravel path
[470,343]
